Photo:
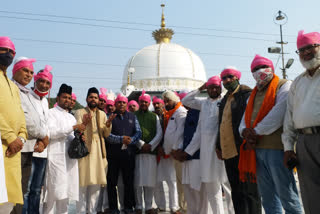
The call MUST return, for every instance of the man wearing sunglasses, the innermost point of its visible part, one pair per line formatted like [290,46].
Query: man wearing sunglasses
[245,197]
[12,127]
[261,154]
[302,121]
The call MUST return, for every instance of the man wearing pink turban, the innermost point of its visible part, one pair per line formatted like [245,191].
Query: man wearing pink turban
[42,85]
[73,103]
[209,169]
[13,131]
[261,128]
[302,121]
[146,158]
[245,196]
[133,106]
[22,76]
[102,99]
[159,194]
[122,145]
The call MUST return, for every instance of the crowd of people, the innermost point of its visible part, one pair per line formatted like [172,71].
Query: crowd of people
[238,143]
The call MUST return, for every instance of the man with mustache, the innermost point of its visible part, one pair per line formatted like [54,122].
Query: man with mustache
[22,74]
[302,122]
[159,194]
[92,167]
[146,158]
[210,171]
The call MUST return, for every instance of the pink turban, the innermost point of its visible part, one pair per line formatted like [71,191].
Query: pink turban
[5,42]
[103,94]
[182,94]
[133,102]
[45,74]
[110,102]
[144,97]
[259,60]
[23,62]
[122,98]
[73,96]
[215,80]
[231,71]
[157,100]
[307,39]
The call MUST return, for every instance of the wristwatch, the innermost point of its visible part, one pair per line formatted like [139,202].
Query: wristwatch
[22,139]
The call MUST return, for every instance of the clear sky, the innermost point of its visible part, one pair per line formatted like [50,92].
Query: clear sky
[88,43]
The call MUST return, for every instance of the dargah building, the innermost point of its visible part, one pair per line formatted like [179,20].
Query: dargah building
[162,66]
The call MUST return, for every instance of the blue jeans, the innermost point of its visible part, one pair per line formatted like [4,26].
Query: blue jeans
[32,196]
[276,183]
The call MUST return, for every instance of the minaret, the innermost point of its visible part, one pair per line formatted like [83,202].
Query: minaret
[163,35]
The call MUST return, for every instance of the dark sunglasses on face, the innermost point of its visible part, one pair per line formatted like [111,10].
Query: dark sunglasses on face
[8,50]
[227,76]
[308,48]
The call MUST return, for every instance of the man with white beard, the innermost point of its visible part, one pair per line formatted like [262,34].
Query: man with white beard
[302,122]
[211,170]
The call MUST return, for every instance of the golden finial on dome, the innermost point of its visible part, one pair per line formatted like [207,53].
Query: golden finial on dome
[163,34]
[163,23]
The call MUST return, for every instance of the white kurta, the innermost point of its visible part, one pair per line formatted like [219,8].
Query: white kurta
[3,188]
[62,175]
[146,164]
[191,173]
[173,137]
[212,169]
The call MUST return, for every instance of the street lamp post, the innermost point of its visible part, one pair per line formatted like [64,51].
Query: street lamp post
[281,19]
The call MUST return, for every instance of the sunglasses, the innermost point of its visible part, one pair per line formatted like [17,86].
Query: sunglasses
[8,50]
[227,76]
[305,49]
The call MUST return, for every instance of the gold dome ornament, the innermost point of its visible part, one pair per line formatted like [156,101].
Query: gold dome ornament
[163,35]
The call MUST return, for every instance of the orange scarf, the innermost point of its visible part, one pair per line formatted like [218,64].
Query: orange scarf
[168,115]
[247,159]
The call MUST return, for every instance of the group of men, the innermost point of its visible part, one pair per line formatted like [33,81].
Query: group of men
[243,139]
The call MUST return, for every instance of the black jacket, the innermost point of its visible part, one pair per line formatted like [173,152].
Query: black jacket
[238,107]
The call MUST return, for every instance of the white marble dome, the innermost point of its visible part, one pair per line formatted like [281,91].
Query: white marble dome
[164,66]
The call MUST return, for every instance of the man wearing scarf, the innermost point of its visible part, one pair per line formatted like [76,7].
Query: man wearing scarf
[210,170]
[245,197]
[92,167]
[42,85]
[146,159]
[22,75]
[122,144]
[174,119]
[302,121]
[261,154]
[12,127]
[62,175]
